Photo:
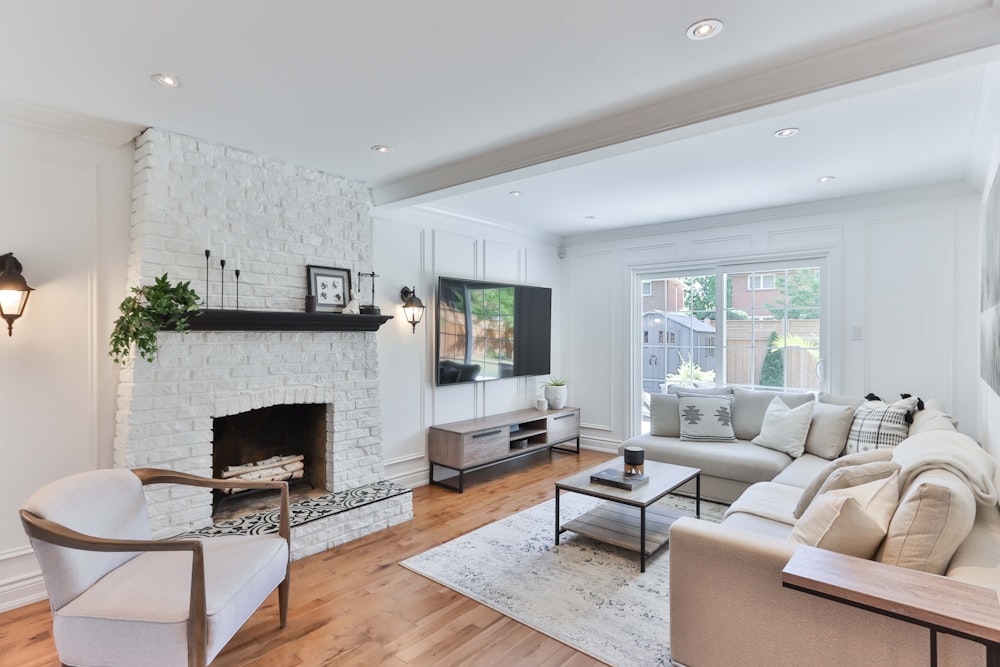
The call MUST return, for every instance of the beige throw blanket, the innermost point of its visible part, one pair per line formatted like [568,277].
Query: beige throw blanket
[951,451]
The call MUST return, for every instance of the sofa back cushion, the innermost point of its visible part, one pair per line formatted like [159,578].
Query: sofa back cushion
[749,407]
[664,415]
[829,429]
[935,514]
[710,391]
[838,399]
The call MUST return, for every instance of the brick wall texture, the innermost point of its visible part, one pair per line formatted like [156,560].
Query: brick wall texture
[275,218]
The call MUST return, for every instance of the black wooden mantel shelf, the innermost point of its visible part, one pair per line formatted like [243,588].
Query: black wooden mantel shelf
[261,320]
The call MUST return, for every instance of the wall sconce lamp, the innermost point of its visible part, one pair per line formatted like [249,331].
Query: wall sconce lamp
[14,291]
[413,308]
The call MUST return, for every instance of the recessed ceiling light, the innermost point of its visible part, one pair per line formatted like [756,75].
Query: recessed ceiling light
[514,193]
[379,148]
[590,217]
[168,80]
[825,179]
[704,29]
[786,132]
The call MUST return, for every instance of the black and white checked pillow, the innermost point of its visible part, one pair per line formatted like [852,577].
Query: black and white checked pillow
[877,425]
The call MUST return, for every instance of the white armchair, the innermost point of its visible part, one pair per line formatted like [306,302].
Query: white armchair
[118,597]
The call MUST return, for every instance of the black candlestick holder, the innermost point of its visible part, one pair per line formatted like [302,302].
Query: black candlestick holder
[237,272]
[208,253]
[222,284]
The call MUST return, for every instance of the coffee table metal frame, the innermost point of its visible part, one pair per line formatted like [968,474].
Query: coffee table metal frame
[664,478]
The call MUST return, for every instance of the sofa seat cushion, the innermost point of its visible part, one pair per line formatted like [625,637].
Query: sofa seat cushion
[155,586]
[758,525]
[768,500]
[802,471]
[739,460]
[935,514]
[975,560]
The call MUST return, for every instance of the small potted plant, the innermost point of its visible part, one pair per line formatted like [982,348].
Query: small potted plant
[556,393]
[148,310]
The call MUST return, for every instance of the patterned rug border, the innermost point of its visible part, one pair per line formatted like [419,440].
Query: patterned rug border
[303,511]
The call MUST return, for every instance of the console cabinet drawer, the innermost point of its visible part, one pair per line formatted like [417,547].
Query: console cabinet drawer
[563,427]
[486,445]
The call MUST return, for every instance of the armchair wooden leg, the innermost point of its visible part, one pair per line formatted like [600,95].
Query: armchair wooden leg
[283,588]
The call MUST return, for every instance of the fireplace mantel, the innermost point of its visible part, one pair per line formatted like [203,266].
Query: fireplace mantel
[267,320]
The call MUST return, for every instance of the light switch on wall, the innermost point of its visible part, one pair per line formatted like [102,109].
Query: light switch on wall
[857,332]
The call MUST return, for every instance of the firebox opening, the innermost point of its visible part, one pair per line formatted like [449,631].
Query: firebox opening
[297,431]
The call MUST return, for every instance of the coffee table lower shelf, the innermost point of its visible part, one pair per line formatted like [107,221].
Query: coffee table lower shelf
[621,525]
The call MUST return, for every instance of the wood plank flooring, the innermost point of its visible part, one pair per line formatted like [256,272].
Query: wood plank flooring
[355,605]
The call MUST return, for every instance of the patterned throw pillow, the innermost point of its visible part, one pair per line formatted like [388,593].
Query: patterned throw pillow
[706,417]
[877,425]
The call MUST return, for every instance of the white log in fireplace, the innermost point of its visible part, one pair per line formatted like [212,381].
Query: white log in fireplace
[271,219]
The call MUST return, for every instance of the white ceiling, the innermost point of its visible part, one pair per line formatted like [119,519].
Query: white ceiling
[588,107]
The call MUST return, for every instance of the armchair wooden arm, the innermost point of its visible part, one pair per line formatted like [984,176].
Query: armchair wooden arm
[159,476]
[54,533]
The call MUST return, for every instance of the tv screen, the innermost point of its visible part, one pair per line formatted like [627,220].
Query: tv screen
[489,330]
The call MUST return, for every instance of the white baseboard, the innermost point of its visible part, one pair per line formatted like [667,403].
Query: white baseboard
[20,579]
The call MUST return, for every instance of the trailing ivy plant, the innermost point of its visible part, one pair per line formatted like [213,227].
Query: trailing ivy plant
[149,309]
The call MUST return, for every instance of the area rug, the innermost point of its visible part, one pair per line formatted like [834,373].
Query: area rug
[583,593]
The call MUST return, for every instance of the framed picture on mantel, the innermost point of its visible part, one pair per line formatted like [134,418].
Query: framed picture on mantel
[330,286]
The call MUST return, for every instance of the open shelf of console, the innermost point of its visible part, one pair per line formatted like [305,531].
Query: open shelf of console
[460,447]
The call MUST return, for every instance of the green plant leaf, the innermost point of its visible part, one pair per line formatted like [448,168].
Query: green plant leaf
[148,310]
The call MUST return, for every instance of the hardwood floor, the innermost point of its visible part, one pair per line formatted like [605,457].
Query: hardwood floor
[355,605]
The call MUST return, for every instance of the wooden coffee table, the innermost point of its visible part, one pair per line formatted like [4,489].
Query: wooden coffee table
[629,519]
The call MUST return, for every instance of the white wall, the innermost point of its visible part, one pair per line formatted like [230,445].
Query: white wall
[903,266]
[413,247]
[64,213]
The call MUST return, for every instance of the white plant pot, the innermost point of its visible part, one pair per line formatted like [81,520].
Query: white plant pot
[556,396]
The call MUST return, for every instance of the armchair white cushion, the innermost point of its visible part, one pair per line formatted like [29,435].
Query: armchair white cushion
[120,598]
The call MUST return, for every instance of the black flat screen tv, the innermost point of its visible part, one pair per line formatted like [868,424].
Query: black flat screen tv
[489,330]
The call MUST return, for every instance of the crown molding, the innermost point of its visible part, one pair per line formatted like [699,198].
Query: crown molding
[75,126]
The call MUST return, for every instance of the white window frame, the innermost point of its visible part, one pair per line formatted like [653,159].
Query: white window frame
[818,257]
[758,277]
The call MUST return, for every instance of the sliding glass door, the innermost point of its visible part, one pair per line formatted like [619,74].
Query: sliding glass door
[761,329]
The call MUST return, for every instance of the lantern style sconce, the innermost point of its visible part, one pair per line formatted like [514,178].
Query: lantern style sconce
[413,308]
[14,290]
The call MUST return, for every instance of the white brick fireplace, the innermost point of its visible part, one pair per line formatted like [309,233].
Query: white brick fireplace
[275,218]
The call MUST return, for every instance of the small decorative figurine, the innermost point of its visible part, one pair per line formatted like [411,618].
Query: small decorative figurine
[352,307]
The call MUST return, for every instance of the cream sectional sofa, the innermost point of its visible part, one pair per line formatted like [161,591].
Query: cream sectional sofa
[727,603]
[729,468]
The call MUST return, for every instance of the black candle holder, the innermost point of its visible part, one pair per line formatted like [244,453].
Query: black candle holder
[237,272]
[222,284]
[208,253]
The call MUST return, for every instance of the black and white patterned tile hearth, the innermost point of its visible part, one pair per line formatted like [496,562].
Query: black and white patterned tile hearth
[303,511]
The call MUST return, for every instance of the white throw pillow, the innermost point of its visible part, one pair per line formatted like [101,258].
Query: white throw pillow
[785,429]
[829,429]
[706,417]
[850,521]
